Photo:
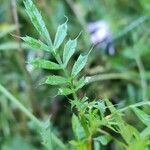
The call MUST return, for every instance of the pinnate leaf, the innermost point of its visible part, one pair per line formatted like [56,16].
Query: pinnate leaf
[45,64]
[69,50]
[60,35]
[37,20]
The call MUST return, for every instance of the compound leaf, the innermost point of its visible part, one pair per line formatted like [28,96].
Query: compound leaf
[37,20]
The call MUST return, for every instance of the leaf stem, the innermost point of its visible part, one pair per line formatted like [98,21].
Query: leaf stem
[57,57]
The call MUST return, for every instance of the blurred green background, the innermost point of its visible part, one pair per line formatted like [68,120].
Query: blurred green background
[124,77]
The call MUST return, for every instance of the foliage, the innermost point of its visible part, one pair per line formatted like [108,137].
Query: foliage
[97,123]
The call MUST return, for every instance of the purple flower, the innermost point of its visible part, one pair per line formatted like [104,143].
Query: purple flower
[101,35]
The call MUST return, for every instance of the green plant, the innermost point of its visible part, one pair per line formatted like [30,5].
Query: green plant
[94,123]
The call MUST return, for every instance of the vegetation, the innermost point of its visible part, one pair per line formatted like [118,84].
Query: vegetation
[54,95]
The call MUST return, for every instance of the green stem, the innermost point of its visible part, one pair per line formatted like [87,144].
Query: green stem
[134,105]
[142,76]
[75,97]
[110,76]
[131,26]
[133,76]
[19,105]
[89,145]
[57,57]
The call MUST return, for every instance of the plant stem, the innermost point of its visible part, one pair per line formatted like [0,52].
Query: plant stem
[142,76]
[130,27]
[135,105]
[57,57]
[89,144]
[110,76]
[133,76]
[19,105]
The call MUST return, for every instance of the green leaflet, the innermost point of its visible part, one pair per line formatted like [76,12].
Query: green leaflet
[49,140]
[69,50]
[79,64]
[34,43]
[46,135]
[96,145]
[56,80]
[45,64]
[37,20]
[12,46]
[67,91]
[103,139]
[64,91]
[80,83]
[60,35]
[145,118]
[146,132]
[79,145]
[77,128]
